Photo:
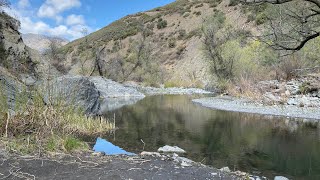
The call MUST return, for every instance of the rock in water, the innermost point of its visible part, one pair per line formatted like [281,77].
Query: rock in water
[171,149]
[115,95]
[75,91]
[280,178]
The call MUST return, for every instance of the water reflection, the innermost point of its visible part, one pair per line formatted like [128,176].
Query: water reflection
[272,146]
[108,148]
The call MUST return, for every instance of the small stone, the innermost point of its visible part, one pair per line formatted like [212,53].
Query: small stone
[145,153]
[214,174]
[287,93]
[292,101]
[280,178]
[97,154]
[185,164]
[225,169]
[171,149]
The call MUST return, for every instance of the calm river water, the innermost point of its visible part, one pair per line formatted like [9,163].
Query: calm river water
[262,145]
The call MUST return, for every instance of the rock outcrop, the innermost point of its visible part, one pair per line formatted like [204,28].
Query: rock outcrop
[14,53]
[10,88]
[75,91]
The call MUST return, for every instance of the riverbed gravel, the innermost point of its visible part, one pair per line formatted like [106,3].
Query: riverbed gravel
[228,103]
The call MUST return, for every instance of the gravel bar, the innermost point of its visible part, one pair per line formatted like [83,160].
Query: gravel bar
[241,105]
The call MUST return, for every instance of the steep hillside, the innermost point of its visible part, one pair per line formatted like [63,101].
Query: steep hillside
[42,42]
[160,46]
[15,56]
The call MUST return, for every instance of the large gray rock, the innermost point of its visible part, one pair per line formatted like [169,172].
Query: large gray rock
[10,88]
[95,95]
[115,95]
[112,89]
[75,91]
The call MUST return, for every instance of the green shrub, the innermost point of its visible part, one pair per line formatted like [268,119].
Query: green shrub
[199,5]
[162,24]
[182,34]
[196,32]
[234,2]
[261,18]
[71,143]
[197,13]
[181,50]
[172,43]
[186,15]
[250,18]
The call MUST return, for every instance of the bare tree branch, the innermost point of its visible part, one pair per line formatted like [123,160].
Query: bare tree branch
[302,24]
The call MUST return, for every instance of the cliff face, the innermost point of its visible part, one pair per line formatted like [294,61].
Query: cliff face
[14,54]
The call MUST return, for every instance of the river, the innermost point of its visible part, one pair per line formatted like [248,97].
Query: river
[261,145]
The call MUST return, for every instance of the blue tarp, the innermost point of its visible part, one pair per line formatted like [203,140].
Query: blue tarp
[105,146]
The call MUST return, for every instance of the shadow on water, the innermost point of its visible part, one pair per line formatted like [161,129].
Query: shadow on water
[261,145]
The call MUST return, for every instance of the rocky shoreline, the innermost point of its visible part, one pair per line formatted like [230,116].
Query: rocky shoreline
[227,103]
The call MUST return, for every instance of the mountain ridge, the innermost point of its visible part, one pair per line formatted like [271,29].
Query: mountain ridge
[41,42]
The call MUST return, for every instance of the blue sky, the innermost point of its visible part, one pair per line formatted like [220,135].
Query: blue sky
[67,18]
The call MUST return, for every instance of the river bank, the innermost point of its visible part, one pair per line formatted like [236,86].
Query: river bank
[89,166]
[228,103]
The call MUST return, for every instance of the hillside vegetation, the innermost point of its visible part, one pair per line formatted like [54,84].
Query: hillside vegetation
[167,46]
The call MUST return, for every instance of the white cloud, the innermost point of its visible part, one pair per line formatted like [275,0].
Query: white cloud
[75,20]
[23,4]
[52,8]
[70,27]
[40,27]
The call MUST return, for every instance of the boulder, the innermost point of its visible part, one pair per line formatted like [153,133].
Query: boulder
[171,149]
[112,89]
[115,95]
[94,94]
[76,91]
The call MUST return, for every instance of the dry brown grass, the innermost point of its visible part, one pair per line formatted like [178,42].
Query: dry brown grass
[245,88]
[35,126]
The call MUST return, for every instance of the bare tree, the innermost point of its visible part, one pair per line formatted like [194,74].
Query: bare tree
[143,53]
[213,46]
[99,63]
[54,56]
[4,4]
[85,59]
[84,33]
[215,35]
[295,23]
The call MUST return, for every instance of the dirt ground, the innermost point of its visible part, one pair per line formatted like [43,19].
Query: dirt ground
[101,167]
